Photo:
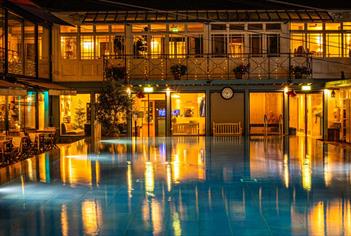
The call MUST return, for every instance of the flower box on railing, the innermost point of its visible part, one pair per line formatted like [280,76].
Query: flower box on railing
[178,70]
[240,70]
[115,72]
[300,72]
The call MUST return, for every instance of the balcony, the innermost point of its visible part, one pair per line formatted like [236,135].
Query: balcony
[209,67]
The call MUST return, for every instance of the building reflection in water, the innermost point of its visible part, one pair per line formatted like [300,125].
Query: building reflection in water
[163,183]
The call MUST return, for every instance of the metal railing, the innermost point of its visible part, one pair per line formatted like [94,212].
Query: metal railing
[209,66]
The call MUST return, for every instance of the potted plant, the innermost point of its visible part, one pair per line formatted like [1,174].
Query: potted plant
[300,72]
[115,72]
[178,70]
[240,70]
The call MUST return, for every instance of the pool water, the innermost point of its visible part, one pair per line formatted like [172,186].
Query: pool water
[180,186]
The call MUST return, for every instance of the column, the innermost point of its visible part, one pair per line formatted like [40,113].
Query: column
[208,112]
[168,114]
[286,113]
[92,116]
[325,114]
[247,113]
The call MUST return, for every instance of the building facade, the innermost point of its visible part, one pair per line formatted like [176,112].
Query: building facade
[263,72]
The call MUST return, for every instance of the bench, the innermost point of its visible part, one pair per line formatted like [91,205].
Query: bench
[227,129]
[185,129]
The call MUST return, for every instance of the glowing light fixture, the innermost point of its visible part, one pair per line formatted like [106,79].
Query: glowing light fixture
[286,89]
[306,87]
[148,89]
[129,91]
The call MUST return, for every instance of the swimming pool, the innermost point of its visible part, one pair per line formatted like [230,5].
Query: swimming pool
[180,186]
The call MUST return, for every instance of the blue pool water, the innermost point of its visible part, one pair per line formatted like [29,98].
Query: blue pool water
[180,186]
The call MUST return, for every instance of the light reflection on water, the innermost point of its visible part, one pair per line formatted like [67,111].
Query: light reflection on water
[181,186]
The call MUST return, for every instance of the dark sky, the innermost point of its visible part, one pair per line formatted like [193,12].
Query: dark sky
[94,5]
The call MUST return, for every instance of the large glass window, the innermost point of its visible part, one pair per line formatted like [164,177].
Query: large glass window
[333,45]
[195,45]
[297,44]
[140,45]
[156,49]
[256,45]
[43,44]
[15,46]
[69,47]
[177,47]
[103,45]
[87,47]
[347,45]
[118,45]
[75,114]
[236,45]
[315,44]
[29,49]
[188,113]
[219,45]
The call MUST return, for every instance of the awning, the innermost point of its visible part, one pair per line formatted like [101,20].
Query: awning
[37,14]
[52,88]
[12,89]
[207,16]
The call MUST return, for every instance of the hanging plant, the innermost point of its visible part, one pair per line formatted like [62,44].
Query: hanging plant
[240,70]
[116,72]
[178,70]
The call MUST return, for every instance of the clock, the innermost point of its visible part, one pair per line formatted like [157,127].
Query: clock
[227,93]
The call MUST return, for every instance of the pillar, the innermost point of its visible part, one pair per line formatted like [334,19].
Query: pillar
[247,112]
[286,113]
[92,116]
[325,114]
[208,112]
[168,114]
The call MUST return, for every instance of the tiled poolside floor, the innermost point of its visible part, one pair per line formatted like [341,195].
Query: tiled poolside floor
[180,186]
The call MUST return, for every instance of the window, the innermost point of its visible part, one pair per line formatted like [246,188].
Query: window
[103,45]
[273,45]
[297,26]
[196,27]
[315,44]
[87,47]
[156,49]
[68,29]
[195,45]
[346,26]
[117,28]
[314,26]
[237,27]
[219,45]
[256,45]
[218,27]
[333,45]
[177,47]
[176,28]
[140,45]
[236,45]
[118,45]
[297,44]
[255,27]
[102,28]
[347,45]
[15,45]
[140,28]
[273,26]
[69,47]
[158,28]
[86,28]
[332,26]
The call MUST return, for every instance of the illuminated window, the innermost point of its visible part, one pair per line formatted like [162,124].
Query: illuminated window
[219,45]
[118,45]
[68,29]
[177,47]
[117,28]
[103,45]
[236,45]
[297,26]
[87,47]
[69,47]
[176,28]
[333,45]
[196,27]
[332,26]
[140,28]
[314,26]
[346,25]
[315,44]
[102,28]
[347,45]
[156,49]
[140,45]
[158,27]
[297,44]
[86,28]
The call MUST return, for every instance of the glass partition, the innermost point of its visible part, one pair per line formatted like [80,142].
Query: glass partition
[188,113]
[15,46]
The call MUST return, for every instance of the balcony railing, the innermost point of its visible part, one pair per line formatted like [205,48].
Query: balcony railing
[210,67]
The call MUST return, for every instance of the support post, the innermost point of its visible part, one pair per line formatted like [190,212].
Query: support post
[208,112]
[247,112]
[325,114]
[286,114]
[168,115]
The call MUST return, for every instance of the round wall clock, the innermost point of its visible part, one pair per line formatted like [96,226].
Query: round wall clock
[227,93]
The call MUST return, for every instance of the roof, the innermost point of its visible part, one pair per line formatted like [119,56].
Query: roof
[52,88]
[12,89]
[206,16]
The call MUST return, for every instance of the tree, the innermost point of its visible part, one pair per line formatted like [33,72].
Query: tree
[113,101]
[80,116]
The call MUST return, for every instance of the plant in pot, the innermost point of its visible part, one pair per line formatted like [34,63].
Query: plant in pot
[115,72]
[178,70]
[300,72]
[240,70]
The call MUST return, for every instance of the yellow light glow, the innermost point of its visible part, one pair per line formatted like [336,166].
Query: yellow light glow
[149,177]
[286,89]
[148,89]
[129,91]
[327,92]
[87,46]
[168,91]
[306,87]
